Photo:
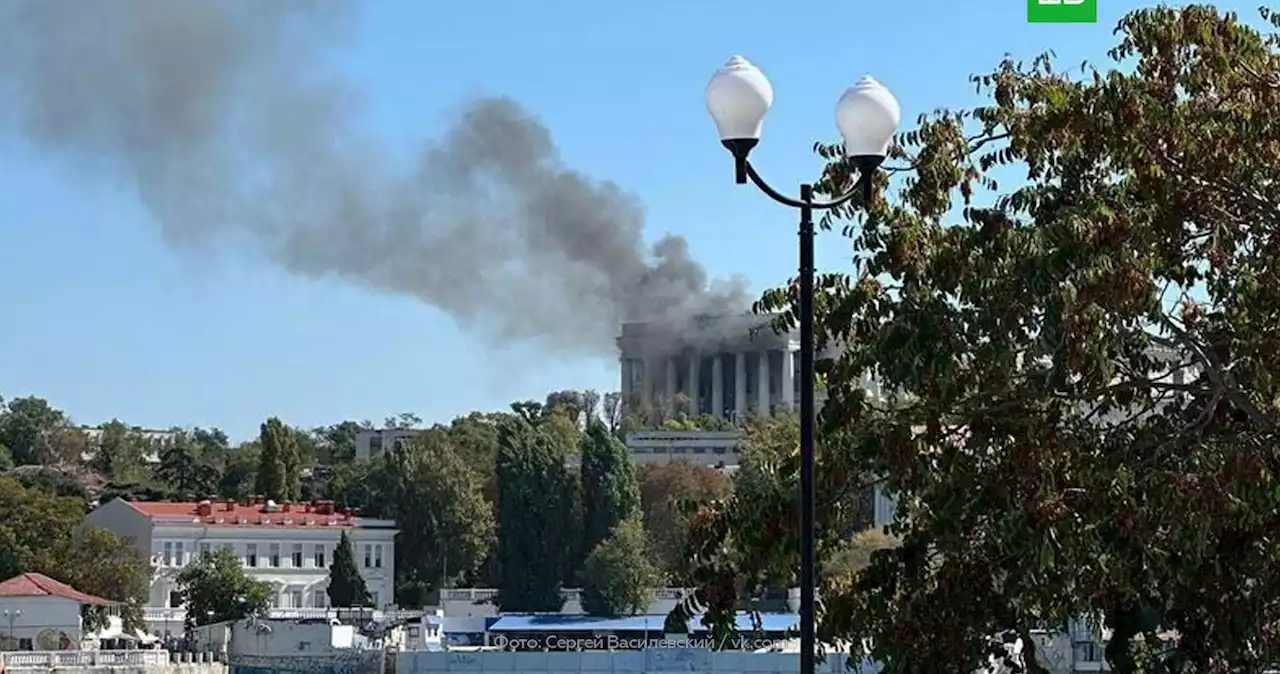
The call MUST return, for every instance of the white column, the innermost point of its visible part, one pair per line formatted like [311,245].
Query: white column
[670,383]
[762,385]
[789,378]
[646,386]
[717,385]
[740,386]
[695,370]
[624,373]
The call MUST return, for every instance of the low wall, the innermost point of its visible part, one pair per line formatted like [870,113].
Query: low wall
[702,661]
[340,662]
[102,662]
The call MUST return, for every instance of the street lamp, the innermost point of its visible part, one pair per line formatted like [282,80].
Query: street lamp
[867,116]
[12,615]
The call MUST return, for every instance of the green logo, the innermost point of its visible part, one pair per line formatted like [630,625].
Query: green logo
[1062,11]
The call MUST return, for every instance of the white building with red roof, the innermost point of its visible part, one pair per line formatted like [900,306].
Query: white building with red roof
[42,614]
[289,545]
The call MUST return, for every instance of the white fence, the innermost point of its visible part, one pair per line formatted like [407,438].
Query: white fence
[69,659]
[175,616]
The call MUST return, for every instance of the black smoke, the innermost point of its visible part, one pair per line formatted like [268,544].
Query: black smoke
[228,120]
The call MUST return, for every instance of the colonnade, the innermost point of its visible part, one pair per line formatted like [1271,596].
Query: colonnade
[735,391]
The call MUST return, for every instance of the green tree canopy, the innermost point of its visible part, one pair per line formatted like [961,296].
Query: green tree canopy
[618,577]
[119,452]
[44,533]
[184,471]
[215,588]
[346,586]
[446,525]
[667,493]
[279,466]
[609,490]
[98,562]
[35,432]
[534,513]
[1084,366]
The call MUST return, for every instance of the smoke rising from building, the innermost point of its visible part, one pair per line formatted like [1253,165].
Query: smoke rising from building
[227,121]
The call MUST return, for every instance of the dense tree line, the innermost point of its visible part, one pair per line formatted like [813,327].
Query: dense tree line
[1086,367]
[531,500]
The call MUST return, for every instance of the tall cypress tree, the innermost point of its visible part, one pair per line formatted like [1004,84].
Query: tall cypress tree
[279,469]
[346,585]
[610,493]
[269,482]
[533,510]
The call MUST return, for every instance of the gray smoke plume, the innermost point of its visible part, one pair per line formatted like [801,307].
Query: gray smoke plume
[228,120]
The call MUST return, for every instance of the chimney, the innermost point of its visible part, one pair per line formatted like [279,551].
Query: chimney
[204,508]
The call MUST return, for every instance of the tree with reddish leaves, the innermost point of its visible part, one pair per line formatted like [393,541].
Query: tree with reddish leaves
[1085,369]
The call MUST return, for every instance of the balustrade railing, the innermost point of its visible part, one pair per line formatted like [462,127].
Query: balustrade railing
[477,594]
[158,617]
[14,660]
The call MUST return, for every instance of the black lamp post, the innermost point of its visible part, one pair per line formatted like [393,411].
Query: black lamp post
[867,115]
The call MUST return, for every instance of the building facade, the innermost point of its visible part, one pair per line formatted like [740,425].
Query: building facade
[725,366]
[38,613]
[289,545]
[731,367]
[373,443]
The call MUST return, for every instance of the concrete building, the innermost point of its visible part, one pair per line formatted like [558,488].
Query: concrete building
[158,438]
[730,367]
[712,449]
[38,613]
[373,443]
[726,366]
[288,545]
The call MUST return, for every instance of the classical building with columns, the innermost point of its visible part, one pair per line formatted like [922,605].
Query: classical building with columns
[726,366]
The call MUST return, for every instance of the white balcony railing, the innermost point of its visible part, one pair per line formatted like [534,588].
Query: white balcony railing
[480,594]
[158,616]
[48,660]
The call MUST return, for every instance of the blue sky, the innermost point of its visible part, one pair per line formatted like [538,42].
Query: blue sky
[103,319]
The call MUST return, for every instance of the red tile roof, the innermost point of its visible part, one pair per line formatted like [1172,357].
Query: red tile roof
[40,585]
[232,514]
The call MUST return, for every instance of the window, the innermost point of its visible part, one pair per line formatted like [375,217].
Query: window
[297,557]
[377,556]
[274,554]
[24,644]
[374,597]
[368,556]
[375,444]
[251,554]
[295,599]
[320,599]
[175,600]
[204,549]
[168,554]
[177,553]
[319,557]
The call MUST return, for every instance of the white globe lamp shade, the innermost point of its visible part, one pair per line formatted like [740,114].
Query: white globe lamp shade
[738,97]
[867,116]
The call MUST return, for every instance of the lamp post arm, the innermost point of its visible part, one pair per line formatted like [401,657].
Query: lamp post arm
[859,187]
